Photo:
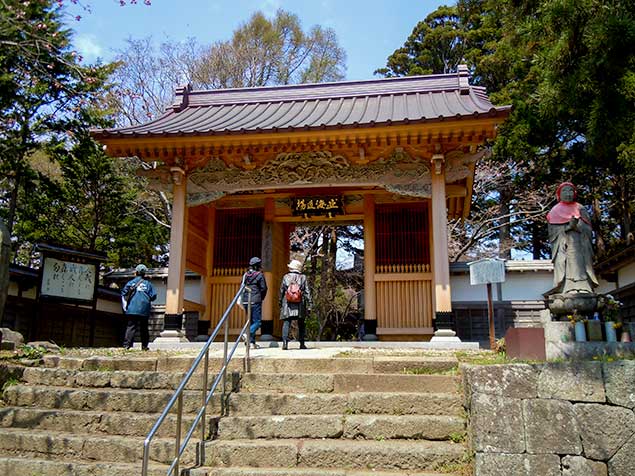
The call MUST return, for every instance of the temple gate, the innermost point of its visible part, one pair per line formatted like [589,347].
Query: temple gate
[246,165]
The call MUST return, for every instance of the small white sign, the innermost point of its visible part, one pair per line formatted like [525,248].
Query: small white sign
[68,279]
[486,271]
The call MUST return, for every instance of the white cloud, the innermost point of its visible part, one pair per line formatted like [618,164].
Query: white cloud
[270,7]
[88,47]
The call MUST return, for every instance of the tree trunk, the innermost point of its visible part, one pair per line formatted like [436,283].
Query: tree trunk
[596,224]
[5,252]
[504,235]
[13,204]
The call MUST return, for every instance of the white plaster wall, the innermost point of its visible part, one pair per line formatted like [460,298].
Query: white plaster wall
[525,286]
[605,287]
[192,291]
[626,275]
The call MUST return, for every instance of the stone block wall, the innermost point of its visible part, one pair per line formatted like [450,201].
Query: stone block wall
[553,419]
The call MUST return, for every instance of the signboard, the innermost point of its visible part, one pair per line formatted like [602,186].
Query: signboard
[68,279]
[487,271]
[308,207]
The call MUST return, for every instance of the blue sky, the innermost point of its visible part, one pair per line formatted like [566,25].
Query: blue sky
[368,30]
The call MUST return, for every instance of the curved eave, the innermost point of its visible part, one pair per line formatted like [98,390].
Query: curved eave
[105,135]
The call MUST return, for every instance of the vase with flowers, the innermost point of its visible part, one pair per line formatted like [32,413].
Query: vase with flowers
[610,313]
[577,321]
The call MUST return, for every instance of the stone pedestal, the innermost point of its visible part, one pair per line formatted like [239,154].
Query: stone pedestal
[172,330]
[444,335]
[562,304]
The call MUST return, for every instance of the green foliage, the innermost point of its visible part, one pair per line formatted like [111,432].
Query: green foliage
[30,352]
[436,45]
[11,381]
[457,436]
[44,93]
[568,69]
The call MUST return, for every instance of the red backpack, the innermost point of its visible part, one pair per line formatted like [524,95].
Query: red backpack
[293,293]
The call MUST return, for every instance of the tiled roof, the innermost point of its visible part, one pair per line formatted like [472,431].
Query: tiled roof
[318,106]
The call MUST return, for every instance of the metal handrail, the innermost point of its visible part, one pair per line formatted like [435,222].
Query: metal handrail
[177,398]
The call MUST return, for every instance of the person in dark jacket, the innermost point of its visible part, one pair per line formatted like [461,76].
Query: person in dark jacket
[254,282]
[294,310]
[137,306]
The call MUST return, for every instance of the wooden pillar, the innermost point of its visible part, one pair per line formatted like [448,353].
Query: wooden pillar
[209,263]
[370,301]
[442,292]
[267,269]
[176,271]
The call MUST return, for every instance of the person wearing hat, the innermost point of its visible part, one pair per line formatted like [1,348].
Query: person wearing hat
[136,297]
[254,282]
[295,302]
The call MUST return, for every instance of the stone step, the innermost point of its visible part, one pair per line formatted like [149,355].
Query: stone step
[391,403]
[44,444]
[245,471]
[344,383]
[243,403]
[364,427]
[78,422]
[114,379]
[14,466]
[102,399]
[414,455]
[182,363]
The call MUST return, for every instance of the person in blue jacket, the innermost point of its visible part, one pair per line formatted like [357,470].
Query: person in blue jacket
[136,297]
[254,282]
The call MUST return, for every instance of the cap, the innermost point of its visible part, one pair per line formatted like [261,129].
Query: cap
[255,261]
[295,265]
[141,269]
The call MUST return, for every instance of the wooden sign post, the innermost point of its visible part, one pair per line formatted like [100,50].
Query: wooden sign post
[70,276]
[488,271]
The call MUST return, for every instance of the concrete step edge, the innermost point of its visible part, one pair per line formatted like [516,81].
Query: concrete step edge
[16,466]
[100,448]
[345,427]
[358,455]
[93,422]
[269,471]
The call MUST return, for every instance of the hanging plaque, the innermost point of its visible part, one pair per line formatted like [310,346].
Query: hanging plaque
[308,207]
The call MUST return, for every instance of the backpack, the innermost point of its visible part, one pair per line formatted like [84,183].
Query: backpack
[293,293]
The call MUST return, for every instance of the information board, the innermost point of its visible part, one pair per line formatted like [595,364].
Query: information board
[487,271]
[68,279]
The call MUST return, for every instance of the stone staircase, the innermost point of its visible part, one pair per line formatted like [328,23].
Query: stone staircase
[292,415]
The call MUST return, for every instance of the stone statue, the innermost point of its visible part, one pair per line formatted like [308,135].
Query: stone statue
[570,235]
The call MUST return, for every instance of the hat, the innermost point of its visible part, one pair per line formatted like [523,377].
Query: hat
[295,265]
[255,261]
[141,269]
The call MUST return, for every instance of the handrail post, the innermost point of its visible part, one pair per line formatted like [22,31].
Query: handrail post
[178,396]
[201,452]
[177,446]
[224,409]
[247,365]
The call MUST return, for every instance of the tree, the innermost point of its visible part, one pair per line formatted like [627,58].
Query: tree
[265,52]
[435,46]
[576,95]
[83,198]
[479,236]
[42,85]
[335,315]
[567,68]
[262,52]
